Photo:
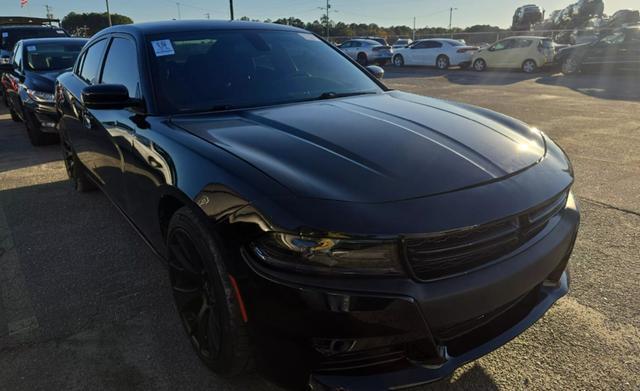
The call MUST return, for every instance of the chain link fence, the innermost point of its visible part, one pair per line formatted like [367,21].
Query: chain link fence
[573,36]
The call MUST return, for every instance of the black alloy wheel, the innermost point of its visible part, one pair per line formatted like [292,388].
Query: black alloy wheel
[204,296]
[14,115]
[75,171]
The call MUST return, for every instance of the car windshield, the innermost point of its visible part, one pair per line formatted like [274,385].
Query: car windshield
[223,70]
[11,36]
[455,43]
[52,56]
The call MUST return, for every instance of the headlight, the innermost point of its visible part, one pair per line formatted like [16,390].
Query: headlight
[40,96]
[323,255]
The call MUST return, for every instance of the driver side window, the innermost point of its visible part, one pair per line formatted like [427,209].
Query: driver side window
[503,45]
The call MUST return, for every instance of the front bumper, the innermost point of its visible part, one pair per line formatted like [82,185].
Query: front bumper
[366,333]
[44,115]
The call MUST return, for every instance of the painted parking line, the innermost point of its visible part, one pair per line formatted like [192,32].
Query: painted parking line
[17,316]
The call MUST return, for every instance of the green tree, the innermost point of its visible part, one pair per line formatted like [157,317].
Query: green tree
[87,24]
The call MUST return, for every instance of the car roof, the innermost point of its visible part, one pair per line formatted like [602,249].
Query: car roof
[366,40]
[176,26]
[35,41]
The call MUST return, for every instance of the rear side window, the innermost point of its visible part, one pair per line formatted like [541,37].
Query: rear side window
[92,60]
[523,43]
[121,66]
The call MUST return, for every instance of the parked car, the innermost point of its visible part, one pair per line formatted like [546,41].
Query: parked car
[526,16]
[401,43]
[441,53]
[526,53]
[366,51]
[617,51]
[29,81]
[10,34]
[313,220]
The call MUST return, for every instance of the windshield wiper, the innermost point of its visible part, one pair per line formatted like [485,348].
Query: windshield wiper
[333,95]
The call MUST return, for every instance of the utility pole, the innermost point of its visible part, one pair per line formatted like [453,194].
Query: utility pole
[179,16]
[108,13]
[49,13]
[450,19]
[328,21]
[414,28]
[231,8]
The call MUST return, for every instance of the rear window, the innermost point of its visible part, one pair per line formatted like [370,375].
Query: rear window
[52,56]
[9,37]
[547,43]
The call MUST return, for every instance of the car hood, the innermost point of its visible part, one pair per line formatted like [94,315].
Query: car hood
[574,48]
[43,81]
[374,148]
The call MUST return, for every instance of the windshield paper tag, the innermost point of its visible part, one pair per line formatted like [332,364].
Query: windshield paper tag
[31,48]
[309,37]
[163,48]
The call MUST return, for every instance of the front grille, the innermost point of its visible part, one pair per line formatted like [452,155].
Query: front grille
[458,251]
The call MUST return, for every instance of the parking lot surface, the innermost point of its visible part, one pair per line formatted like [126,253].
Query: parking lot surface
[85,305]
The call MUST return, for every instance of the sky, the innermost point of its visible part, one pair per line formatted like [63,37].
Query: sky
[381,12]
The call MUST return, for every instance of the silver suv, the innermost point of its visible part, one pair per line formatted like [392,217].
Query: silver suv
[367,51]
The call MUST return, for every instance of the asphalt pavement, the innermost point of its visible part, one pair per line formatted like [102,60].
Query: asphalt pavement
[85,305]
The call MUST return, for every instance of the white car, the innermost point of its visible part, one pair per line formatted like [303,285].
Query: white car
[441,53]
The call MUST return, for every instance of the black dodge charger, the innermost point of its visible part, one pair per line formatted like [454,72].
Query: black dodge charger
[317,225]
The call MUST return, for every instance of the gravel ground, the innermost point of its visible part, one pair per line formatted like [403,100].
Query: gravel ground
[84,304]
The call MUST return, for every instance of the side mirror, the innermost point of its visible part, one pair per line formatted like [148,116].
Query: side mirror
[491,49]
[107,96]
[376,71]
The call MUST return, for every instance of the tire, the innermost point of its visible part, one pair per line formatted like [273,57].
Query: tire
[36,136]
[398,60]
[570,66]
[529,66]
[362,59]
[75,170]
[14,115]
[480,65]
[442,62]
[205,296]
